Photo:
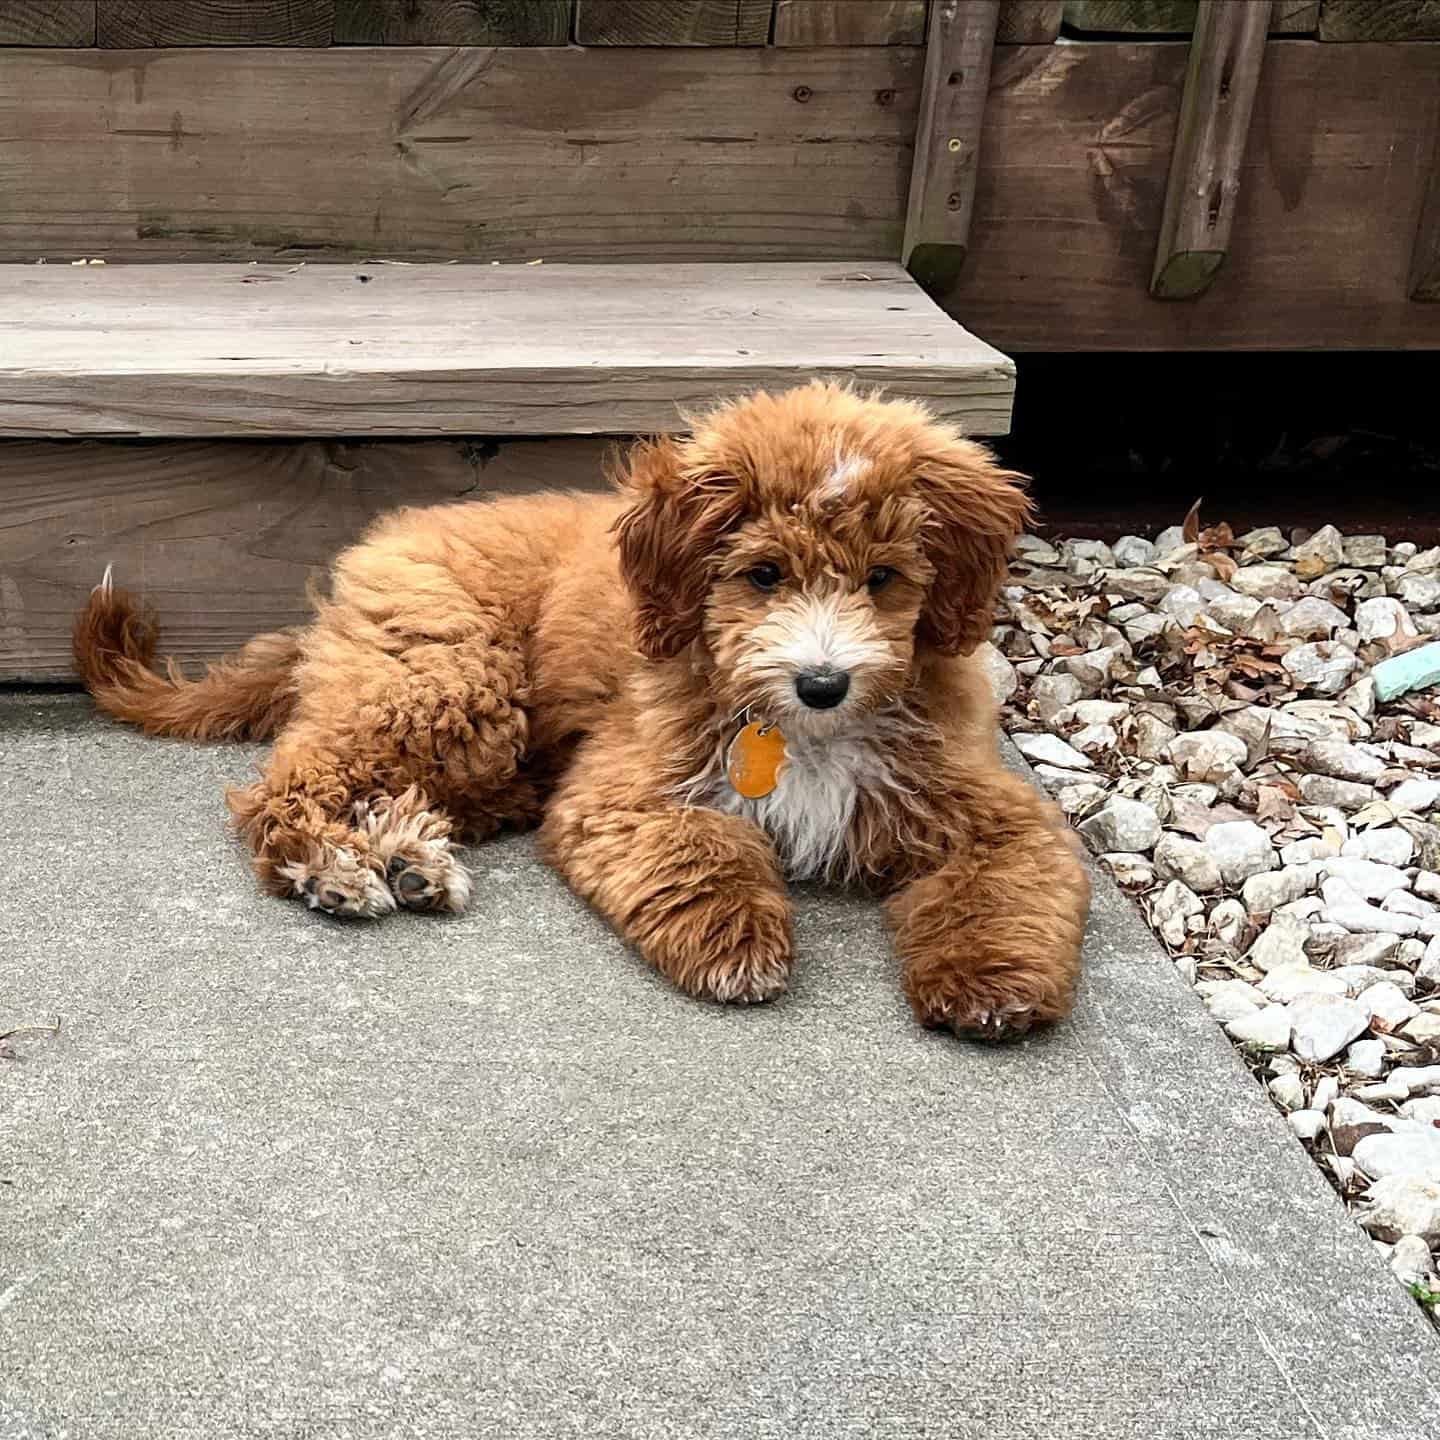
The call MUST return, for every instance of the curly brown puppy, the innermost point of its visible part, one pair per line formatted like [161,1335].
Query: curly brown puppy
[748,664]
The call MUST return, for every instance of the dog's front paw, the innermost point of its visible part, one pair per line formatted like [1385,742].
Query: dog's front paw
[337,880]
[413,844]
[722,948]
[994,1010]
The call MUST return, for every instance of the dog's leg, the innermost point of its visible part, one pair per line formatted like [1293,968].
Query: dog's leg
[990,938]
[698,893]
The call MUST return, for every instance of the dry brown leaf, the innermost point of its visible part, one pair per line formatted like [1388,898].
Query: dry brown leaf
[1190,528]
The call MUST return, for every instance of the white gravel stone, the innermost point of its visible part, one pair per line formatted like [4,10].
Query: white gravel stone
[1324,666]
[1228,919]
[1327,1087]
[1342,761]
[1366,1058]
[1324,1025]
[1412,1263]
[1177,858]
[1417,1079]
[1427,884]
[1264,542]
[999,671]
[1402,1205]
[1313,619]
[1371,920]
[1424,1111]
[1266,582]
[1043,748]
[1206,754]
[1387,846]
[1417,795]
[1420,591]
[1307,1124]
[1350,1121]
[1424,1029]
[1182,604]
[1052,693]
[1384,618]
[1228,1000]
[1325,790]
[1172,537]
[1130,872]
[1404,903]
[1121,824]
[1386,1003]
[1280,944]
[1430,966]
[1367,551]
[1322,552]
[1093,669]
[1130,550]
[1241,848]
[1369,879]
[1078,797]
[1410,1153]
[1233,611]
[1267,1029]
[1290,982]
[1302,852]
[1288,1092]
[1036,551]
[1266,892]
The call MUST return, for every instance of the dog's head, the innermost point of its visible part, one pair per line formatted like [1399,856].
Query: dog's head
[813,542]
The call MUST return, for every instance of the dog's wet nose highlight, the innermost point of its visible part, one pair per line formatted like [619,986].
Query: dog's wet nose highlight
[822,689]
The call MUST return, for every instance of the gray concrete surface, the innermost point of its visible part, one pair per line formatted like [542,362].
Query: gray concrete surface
[284,1176]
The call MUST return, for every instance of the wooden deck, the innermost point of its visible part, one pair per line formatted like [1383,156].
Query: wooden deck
[250,350]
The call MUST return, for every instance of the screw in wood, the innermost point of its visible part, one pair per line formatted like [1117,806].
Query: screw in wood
[802,93]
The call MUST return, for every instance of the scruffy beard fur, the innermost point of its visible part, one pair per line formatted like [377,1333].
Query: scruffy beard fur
[587,662]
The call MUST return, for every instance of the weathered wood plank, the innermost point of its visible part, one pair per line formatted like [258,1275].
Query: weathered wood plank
[1425,258]
[452,22]
[1071,186]
[232,350]
[1176,17]
[672,22]
[134,24]
[958,49]
[844,22]
[1351,20]
[47,22]
[1201,195]
[1029,22]
[486,154]
[221,538]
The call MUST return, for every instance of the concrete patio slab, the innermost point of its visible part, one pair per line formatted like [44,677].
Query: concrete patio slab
[279,1175]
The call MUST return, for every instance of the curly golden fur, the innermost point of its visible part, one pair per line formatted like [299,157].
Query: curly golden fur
[816,561]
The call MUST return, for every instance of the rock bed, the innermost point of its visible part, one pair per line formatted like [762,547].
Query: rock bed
[1246,732]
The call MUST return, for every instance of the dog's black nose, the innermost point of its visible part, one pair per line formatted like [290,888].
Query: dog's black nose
[822,689]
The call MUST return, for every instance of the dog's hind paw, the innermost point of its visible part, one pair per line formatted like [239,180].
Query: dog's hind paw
[413,843]
[998,1026]
[340,882]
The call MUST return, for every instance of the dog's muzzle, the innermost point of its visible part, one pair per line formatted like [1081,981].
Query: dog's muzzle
[822,689]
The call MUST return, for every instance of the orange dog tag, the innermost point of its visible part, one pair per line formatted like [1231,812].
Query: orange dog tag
[753,763]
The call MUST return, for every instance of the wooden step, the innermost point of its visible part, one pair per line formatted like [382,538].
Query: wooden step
[494,350]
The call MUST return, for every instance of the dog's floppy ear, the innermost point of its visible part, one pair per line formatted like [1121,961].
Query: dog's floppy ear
[976,511]
[666,539]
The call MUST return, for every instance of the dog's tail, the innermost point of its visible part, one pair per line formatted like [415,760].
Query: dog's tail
[246,696]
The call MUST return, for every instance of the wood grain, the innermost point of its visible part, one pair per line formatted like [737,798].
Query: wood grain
[220,538]
[452,22]
[230,350]
[1177,17]
[1072,181]
[137,24]
[844,22]
[672,22]
[958,48]
[1425,259]
[483,154]
[1202,193]
[1351,20]
[1029,22]
[47,22]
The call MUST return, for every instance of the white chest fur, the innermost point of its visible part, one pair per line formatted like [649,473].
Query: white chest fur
[809,812]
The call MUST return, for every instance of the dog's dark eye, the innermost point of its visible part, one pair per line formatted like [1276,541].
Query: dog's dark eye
[879,578]
[764,577]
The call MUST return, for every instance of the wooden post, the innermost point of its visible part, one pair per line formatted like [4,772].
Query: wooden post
[1201,196]
[1425,257]
[959,46]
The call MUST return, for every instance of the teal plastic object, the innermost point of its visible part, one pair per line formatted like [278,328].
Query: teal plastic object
[1416,669]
